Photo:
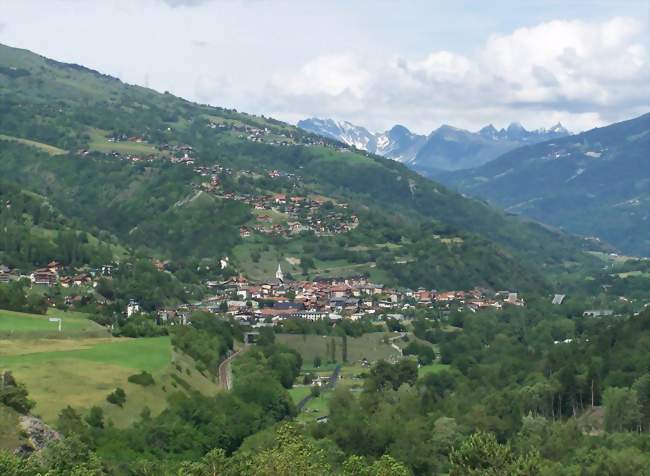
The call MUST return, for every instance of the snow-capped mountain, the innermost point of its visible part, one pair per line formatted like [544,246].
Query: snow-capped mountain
[342,131]
[446,148]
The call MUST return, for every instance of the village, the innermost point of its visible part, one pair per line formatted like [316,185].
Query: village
[274,300]
[270,302]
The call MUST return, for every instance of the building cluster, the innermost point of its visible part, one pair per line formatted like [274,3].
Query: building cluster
[54,274]
[275,300]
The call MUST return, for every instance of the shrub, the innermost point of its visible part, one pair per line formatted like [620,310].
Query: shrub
[117,397]
[144,378]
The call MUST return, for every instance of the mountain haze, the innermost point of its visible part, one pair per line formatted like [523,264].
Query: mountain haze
[594,183]
[445,149]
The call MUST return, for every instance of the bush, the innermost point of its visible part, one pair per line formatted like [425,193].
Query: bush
[117,397]
[144,378]
[14,395]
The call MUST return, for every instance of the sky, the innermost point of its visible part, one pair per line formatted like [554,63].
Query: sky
[373,63]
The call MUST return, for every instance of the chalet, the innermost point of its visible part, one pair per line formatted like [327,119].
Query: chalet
[244,232]
[55,267]
[43,277]
[280,198]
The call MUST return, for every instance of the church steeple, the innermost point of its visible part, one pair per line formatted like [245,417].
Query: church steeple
[279,274]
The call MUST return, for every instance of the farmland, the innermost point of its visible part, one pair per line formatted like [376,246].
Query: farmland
[369,346]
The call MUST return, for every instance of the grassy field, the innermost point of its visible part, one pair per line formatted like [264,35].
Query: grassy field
[299,392]
[317,407]
[15,325]
[431,369]
[99,143]
[82,365]
[370,346]
[50,149]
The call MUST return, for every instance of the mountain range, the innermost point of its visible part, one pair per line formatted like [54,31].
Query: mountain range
[594,183]
[444,149]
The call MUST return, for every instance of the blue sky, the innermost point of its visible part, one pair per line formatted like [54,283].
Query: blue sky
[418,63]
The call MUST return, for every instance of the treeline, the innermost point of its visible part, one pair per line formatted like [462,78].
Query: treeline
[328,327]
[14,297]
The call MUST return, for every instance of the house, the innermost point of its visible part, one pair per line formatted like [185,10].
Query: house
[4,278]
[132,308]
[55,267]
[43,277]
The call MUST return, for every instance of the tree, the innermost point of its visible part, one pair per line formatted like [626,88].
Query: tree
[622,409]
[117,397]
[642,388]
[294,455]
[384,466]
[95,418]
[482,455]
[317,361]
[14,395]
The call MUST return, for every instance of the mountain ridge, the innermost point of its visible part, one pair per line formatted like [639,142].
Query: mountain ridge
[594,183]
[445,148]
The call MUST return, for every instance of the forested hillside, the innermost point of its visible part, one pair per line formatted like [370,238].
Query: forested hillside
[595,183]
[176,180]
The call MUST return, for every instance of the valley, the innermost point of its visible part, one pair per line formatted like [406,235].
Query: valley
[239,296]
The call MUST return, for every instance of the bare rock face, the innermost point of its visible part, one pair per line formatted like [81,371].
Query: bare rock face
[38,433]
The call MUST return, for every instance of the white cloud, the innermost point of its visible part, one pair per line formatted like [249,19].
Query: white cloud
[330,75]
[584,74]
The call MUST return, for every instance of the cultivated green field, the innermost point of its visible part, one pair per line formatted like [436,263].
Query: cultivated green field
[370,346]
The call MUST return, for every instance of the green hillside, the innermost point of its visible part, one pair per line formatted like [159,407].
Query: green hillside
[137,158]
[595,183]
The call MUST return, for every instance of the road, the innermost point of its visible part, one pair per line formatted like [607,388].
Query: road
[225,371]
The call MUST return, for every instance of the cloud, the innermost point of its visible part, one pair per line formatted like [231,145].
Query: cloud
[330,75]
[582,73]
[210,89]
[185,3]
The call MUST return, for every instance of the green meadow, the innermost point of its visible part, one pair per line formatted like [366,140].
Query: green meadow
[83,364]
[24,325]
